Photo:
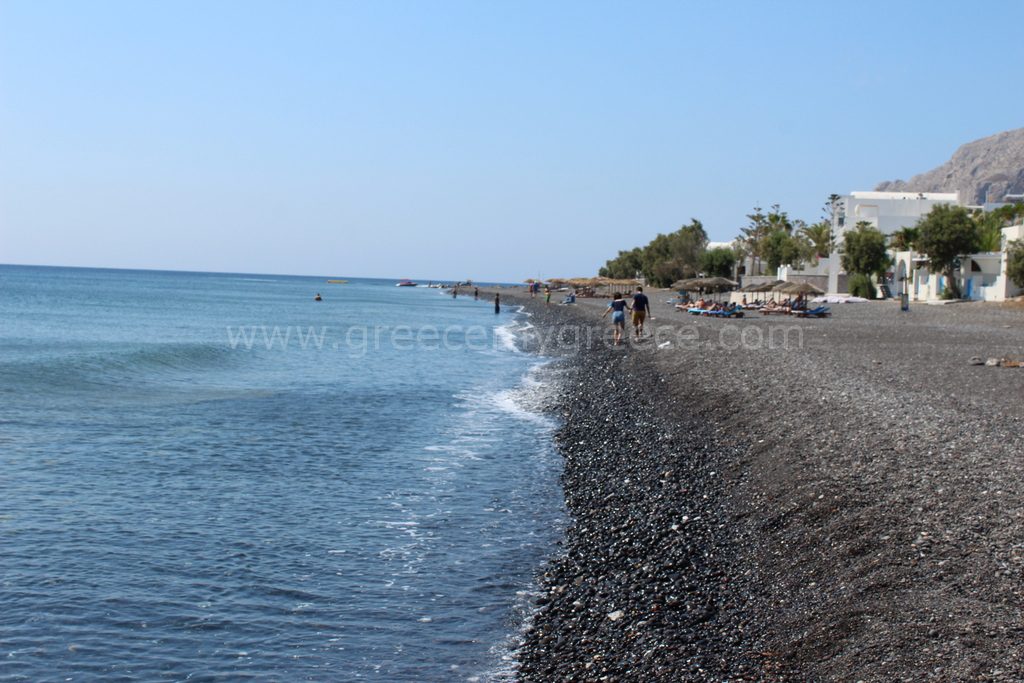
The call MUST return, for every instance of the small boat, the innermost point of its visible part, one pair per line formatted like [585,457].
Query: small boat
[405,283]
[337,282]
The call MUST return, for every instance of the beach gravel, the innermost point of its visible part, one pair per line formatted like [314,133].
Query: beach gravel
[781,499]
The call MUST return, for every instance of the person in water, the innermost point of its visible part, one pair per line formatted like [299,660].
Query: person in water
[317,297]
[497,303]
[617,308]
[476,294]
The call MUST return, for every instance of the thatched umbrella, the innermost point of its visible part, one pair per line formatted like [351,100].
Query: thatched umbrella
[703,284]
[768,286]
[802,288]
[751,288]
[782,287]
[720,283]
[724,284]
[690,284]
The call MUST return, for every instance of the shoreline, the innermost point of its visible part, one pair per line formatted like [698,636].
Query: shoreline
[592,623]
[864,503]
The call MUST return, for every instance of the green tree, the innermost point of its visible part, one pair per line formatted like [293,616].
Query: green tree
[1011,214]
[759,230]
[947,233]
[904,239]
[626,265]
[718,262]
[829,211]
[781,248]
[664,259]
[753,237]
[779,220]
[819,236]
[676,255]
[864,250]
[990,230]
[1015,262]
[861,285]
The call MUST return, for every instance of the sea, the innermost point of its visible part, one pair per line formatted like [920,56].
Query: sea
[214,477]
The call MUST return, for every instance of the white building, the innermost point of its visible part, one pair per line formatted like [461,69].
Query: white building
[886,211]
[982,277]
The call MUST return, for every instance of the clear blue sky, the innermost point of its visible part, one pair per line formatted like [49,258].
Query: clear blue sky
[492,140]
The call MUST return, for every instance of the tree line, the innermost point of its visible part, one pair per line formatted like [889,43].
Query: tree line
[772,239]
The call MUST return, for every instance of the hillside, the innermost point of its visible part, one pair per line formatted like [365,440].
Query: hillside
[982,171]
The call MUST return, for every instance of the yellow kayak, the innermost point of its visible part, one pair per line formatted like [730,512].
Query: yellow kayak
[337,282]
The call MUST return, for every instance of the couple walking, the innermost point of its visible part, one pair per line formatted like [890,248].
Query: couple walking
[641,308]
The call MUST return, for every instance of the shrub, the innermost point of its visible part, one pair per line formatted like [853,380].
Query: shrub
[861,285]
[1015,265]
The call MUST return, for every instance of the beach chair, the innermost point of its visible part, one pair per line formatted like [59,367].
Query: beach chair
[819,312]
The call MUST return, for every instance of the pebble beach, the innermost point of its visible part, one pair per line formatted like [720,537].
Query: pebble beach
[785,499]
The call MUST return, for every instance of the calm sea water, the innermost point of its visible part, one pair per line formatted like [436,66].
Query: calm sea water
[213,477]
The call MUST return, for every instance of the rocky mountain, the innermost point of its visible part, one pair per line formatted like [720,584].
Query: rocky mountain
[982,171]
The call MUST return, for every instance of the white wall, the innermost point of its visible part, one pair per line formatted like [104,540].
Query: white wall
[988,282]
[886,211]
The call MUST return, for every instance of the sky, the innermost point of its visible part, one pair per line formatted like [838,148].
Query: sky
[492,140]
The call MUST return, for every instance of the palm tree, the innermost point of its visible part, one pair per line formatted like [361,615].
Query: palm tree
[820,236]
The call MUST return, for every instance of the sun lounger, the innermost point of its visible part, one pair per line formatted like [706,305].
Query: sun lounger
[780,311]
[819,312]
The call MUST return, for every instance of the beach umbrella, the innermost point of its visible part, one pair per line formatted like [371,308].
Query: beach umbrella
[769,286]
[781,287]
[690,284]
[804,288]
[801,289]
[752,288]
[720,283]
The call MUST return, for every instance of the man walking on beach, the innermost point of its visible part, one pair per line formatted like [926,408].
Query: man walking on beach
[641,309]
